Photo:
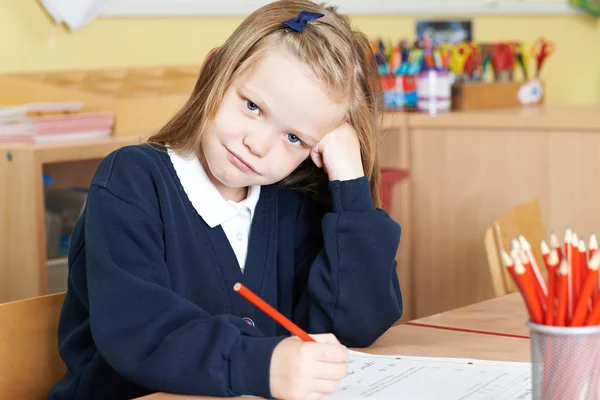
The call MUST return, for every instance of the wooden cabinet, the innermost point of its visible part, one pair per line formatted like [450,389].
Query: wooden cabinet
[468,168]
[23,263]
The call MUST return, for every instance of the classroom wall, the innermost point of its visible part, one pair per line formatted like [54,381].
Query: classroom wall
[31,42]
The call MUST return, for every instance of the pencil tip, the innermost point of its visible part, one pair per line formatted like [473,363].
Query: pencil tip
[595,262]
[545,247]
[553,258]
[508,262]
[568,234]
[524,243]
[236,287]
[515,244]
[563,269]
[593,242]
[554,240]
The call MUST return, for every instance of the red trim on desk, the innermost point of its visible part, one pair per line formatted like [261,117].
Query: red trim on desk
[448,328]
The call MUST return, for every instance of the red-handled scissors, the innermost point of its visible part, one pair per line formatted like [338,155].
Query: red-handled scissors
[541,50]
[503,60]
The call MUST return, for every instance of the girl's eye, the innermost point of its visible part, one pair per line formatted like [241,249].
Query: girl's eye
[253,108]
[293,139]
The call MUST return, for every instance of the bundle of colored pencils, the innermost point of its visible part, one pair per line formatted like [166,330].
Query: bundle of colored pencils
[571,294]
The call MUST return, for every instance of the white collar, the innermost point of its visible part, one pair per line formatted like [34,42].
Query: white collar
[204,196]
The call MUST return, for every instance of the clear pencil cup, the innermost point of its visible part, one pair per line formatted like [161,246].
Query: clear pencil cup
[565,362]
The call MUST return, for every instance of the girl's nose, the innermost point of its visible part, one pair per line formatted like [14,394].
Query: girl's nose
[258,143]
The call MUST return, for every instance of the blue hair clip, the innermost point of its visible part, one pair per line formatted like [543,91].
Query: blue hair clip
[301,20]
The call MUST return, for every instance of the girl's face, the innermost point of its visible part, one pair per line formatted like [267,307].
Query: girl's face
[270,118]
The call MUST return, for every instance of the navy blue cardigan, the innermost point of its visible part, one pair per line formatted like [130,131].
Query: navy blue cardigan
[150,305]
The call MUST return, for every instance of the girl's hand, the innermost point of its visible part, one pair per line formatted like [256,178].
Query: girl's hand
[339,153]
[307,370]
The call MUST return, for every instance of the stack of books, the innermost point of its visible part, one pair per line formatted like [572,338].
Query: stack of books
[52,122]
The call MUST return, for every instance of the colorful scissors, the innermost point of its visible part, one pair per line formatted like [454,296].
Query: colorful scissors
[523,51]
[503,60]
[473,65]
[458,57]
[541,50]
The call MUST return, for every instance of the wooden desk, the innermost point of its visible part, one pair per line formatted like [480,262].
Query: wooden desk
[503,315]
[434,342]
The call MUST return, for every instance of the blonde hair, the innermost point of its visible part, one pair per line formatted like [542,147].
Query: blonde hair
[340,57]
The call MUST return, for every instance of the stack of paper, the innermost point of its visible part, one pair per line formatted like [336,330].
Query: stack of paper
[427,378]
[50,122]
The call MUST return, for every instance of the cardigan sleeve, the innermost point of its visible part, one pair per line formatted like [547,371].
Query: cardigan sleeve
[145,331]
[345,278]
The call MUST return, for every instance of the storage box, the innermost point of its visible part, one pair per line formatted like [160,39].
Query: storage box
[399,91]
[468,96]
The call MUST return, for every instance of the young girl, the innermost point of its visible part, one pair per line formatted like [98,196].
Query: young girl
[268,176]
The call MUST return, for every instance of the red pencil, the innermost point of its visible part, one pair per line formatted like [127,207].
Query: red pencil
[552,266]
[555,244]
[593,248]
[568,256]
[593,317]
[271,312]
[525,283]
[575,267]
[581,308]
[510,266]
[561,294]
[583,261]
[531,264]
[545,251]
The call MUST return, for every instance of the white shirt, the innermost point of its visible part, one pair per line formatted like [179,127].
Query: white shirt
[235,218]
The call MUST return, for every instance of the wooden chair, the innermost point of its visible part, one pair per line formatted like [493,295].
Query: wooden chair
[526,220]
[29,360]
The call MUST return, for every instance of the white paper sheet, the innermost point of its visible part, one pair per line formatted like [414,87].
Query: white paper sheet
[74,13]
[423,378]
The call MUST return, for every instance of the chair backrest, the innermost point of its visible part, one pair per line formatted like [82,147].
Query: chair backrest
[29,360]
[526,220]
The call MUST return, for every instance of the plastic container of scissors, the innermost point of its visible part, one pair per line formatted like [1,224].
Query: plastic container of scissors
[434,91]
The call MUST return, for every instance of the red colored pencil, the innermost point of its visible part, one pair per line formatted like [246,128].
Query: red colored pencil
[561,293]
[538,278]
[583,262]
[593,249]
[593,245]
[581,308]
[593,317]
[271,312]
[545,251]
[525,282]
[575,267]
[568,256]
[555,244]
[510,266]
[552,266]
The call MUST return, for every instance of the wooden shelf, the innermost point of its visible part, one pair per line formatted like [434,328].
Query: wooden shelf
[67,151]
[23,263]
[57,262]
[538,118]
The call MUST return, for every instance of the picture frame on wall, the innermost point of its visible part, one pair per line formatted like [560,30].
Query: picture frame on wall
[450,32]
